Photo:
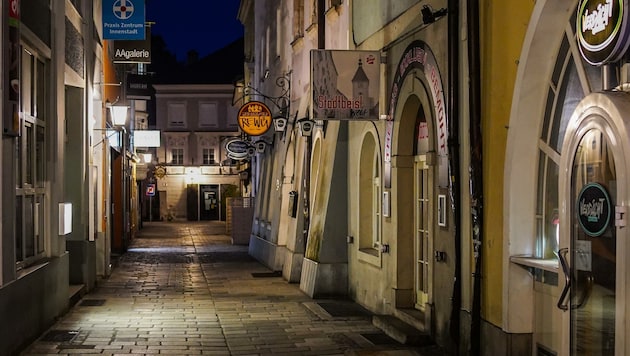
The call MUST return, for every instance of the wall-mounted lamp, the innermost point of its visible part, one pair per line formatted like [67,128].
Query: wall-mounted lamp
[147,157]
[279,123]
[306,126]
[429,16]
[119,114]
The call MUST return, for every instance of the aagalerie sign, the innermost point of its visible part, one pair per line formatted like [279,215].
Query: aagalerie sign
[602,30]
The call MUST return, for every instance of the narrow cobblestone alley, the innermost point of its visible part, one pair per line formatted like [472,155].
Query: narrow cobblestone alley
[184,289]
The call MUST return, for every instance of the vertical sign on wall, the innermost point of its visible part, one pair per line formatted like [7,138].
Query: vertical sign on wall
[11,121]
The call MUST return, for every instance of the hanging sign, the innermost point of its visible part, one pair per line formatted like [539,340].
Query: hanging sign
[602,30]
[345,84]
[594,209]
[133,51]
[238,149]
[254,118]
[123,19]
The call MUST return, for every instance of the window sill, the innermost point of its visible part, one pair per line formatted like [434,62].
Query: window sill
[546,264]
[32,268]
[370,255]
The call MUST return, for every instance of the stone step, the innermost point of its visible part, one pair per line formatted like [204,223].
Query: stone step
[401,331]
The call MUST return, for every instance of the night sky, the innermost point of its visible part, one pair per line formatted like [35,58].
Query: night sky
[202,25]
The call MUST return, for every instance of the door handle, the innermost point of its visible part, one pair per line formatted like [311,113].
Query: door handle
[567,279]
[562,302]
[586,293]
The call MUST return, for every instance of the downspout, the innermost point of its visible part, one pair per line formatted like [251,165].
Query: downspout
[321,44]
[455,174]
[476,173]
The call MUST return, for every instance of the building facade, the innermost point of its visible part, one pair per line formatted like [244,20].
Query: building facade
[53,186]
[195,121]
[485,205]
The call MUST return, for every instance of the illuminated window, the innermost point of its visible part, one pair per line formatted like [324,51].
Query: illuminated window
[208,156]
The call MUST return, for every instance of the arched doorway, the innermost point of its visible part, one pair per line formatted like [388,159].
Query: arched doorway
[593,247]
[415,173]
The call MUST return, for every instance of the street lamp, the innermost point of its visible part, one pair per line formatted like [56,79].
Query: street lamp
[119,114]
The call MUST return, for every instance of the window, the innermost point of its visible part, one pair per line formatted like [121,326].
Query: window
[177,156]
[30,161]
[298,18]
[571,80]
[232,114]
[208,115]
[369,197]
[208,156]
[176,115]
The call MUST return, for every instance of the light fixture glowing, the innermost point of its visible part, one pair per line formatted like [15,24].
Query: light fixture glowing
[119,114]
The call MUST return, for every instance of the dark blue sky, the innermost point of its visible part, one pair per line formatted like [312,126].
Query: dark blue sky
[202,25]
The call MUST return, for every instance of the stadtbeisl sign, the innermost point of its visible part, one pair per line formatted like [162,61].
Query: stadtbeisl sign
[602,30]
[254,118]
[594,209]
[345,84]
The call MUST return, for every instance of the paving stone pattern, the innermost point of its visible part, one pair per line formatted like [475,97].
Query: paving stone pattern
[184,289]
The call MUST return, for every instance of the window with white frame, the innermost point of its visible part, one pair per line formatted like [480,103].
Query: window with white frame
[208,156]
[31,175]
[208,115]
[571,80]
[369,197]
[177,115]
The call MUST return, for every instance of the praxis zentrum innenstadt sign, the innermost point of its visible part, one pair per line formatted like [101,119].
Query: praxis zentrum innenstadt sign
[254,118]
[602,30]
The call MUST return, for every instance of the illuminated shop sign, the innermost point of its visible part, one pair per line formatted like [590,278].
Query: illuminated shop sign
[345,84]
[254,118]
[594,209]
[133,51]
[602,30]
[123,19]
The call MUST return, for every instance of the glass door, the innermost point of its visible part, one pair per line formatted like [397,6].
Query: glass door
[590,265]
[423,232]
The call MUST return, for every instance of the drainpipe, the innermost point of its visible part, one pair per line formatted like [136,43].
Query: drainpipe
[476,174]
[455,175]
[321,44]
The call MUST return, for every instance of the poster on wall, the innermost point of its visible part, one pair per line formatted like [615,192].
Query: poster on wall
[345,84]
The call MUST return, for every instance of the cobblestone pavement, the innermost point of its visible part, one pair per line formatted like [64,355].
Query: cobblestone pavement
[184,289]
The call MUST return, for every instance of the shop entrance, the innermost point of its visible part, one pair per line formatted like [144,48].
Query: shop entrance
[423,231]
[593,248]
[209,202]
